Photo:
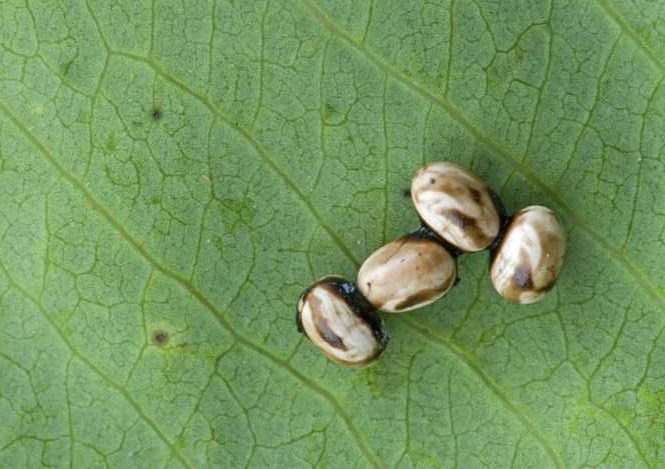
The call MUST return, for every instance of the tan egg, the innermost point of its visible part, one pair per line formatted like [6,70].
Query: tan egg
[407,273]
[527,261]
[456,205]
[341,323]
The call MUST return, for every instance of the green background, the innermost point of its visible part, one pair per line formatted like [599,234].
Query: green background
[172,174]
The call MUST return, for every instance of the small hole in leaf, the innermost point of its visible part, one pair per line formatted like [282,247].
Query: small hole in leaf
[160,338]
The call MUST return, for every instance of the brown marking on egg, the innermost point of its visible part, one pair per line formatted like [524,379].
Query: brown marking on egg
[328,334]
[475,195]
[522,278]
[460,220]
[418,298]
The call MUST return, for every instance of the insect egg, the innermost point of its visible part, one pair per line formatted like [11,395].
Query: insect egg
[456,205]
[336,318]
[407,273]
[526,263]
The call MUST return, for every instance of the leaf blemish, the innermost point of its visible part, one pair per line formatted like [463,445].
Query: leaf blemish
[160,337]
[156,114]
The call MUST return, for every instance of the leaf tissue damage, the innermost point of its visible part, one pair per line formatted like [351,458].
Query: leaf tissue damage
[156,114]
[292,129]
[160,337]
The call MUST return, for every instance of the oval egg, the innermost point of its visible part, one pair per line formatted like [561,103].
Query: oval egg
[527,262]
[407,273]
[456,205]
[341,323]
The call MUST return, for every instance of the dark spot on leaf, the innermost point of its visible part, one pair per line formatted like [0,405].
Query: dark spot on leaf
[156,114]
[432,180]
[407,193]
[160,337]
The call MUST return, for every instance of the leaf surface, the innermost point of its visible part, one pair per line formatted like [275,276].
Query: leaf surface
[173,174]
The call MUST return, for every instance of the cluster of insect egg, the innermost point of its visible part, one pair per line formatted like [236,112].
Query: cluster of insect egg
[460,214]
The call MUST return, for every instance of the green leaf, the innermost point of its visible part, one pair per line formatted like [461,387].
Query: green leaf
[172,174]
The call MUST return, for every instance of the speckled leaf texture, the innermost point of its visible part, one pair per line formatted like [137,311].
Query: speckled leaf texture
[173,173]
